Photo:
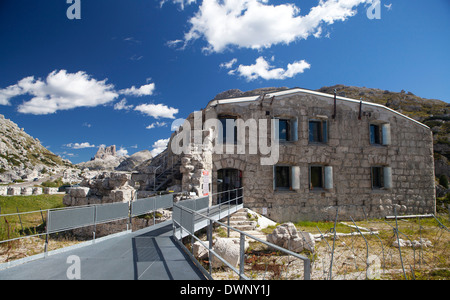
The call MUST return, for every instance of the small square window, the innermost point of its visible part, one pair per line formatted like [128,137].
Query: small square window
[318,131]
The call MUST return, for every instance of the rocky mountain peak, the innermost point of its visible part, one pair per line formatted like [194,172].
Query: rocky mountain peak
[103,152]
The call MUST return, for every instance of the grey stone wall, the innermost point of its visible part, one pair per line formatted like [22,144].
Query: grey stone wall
[349,153]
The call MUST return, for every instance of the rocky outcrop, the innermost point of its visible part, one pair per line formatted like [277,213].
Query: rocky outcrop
[106,159]
[23,157]
[135,160]
[107,187]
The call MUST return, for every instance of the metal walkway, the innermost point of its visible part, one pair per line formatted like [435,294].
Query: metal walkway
[147,254]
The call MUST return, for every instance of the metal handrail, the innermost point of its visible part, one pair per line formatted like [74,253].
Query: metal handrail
[96,221]
[307,262]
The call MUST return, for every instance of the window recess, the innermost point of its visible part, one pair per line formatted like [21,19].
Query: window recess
[286,178]
[381,177]
[320,177]
[318,131]
[287,129]
[380,134]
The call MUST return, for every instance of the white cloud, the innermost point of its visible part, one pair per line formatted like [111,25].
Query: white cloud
[157,110]
[180,2]
[64,91]
[79,145]
[122,152]
[228,65]
[159,146]
[156,124]
[122,105]
[145,90]
[262,69]
[59,91]
[256,24]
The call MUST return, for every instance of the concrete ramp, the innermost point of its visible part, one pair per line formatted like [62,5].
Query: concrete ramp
[147,254]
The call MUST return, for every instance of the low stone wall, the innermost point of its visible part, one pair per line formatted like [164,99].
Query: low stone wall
[26,191]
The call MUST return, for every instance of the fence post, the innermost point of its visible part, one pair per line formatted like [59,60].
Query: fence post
[398,242]
[334,240]
[20,219]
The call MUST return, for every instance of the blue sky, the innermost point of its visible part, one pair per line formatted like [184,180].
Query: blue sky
[128,68]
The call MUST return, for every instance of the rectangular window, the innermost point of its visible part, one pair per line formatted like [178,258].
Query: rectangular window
[282,177]
[286,178]
[380,134]
[381,177]
[318,131]
[316,177]
[321,177]
[229,130]
[375,134]
[287,129]
[284,130]
[377,178]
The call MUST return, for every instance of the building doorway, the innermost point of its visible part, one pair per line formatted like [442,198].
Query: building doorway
[228,181]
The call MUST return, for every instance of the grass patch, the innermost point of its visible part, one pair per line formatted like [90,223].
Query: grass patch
[10,204]
[13,226]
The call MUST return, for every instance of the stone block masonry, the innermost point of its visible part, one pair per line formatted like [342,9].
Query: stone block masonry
[366,159]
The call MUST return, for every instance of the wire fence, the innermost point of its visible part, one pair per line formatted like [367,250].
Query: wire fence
[398,247]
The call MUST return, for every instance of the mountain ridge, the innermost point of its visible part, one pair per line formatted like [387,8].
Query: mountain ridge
[23,157]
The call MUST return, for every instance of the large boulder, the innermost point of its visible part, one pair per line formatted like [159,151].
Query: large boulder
[288,237]
[79,192]
[229,250]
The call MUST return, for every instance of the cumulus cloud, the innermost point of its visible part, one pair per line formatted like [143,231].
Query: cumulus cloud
[181,3]
[79,145]
[122,105]
[122,152]
[256,24]
[262,69]
[157,110]
[228,65]
[156,124]
[159,146]
[145,90]
[59,91]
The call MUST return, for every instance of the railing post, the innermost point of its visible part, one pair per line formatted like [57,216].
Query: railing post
[209,233]
[242,256]
[95,223]
[307,269]
[46,232]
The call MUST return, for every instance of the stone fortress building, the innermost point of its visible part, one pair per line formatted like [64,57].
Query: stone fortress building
[332,152]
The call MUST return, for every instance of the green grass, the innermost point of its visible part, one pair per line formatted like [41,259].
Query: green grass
[10,204]
[11,226]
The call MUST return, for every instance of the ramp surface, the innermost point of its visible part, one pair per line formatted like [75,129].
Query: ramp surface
[147,254]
